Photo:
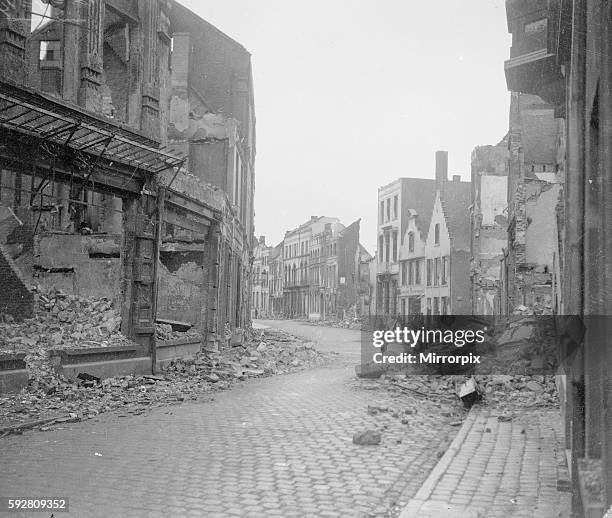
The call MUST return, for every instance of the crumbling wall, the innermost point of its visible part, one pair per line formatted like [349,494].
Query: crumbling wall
[87,266]
[182,294]
[541,235]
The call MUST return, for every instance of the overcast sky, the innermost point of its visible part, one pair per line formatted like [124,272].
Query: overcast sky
[352,94]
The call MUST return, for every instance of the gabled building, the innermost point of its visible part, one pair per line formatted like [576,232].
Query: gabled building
[447,251]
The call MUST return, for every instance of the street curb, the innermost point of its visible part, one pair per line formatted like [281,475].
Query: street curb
[440,468]
[7,430]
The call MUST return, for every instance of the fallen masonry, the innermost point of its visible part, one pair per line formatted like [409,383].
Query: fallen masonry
[54,399]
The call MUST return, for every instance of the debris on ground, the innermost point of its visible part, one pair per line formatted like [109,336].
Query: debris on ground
[64,321]
[49,394]
[469,392]
[367,438]
[166,332]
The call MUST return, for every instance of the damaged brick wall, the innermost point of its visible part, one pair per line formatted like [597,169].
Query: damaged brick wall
[534,188]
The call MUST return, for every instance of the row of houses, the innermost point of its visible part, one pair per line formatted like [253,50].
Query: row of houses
[489,246]
[127,148]
[423,257]
[318,271]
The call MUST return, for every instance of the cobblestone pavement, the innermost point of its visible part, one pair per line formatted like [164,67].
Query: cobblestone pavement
[277,446]
[499,469]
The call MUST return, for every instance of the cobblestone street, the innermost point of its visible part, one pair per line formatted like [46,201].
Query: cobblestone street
[278,446]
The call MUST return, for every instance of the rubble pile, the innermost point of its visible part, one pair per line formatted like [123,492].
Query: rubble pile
[64,321]
[271,352]
[500,390]
[165,332]
[51,395]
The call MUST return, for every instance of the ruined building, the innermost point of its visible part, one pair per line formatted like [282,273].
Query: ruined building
[530,267]
[489,224]
[126,161]
[561,53]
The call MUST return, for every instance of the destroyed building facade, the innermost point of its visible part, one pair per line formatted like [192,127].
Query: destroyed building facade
[128,161]
[489,226]
[561,53]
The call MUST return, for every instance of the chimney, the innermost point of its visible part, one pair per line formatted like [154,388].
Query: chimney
[456,178]
[313,218]
[262,240]
[328,227]
[441,168]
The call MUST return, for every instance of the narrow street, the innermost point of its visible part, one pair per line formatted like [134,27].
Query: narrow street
[279,446]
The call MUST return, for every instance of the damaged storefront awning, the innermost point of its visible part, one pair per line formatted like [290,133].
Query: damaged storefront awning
[30,113]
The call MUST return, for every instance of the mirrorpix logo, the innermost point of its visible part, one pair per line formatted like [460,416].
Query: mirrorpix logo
[381,339]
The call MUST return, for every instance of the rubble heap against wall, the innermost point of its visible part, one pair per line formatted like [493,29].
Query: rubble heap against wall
[65,321]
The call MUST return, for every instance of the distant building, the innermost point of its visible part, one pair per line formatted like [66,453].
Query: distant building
[447,251]
[261,279]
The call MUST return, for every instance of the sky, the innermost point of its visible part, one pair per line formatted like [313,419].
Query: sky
[353,94]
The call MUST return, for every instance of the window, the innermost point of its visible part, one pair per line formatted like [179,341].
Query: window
[382,211]
[437,271]
[428,272]
[388,209]
[444,271]
[444,306]
[381,244]
[417,271]
[302,248]
[428,305]
[395,204]
[394,247]
[404,307]
[387,247]
[411,273]
[404,276]
[49,51]
[437,234]
[411,241]
[436,306]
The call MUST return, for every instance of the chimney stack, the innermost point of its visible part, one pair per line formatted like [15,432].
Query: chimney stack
[441,168]
[313,218]
[456,178]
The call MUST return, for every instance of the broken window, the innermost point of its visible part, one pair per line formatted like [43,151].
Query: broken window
[49,52]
